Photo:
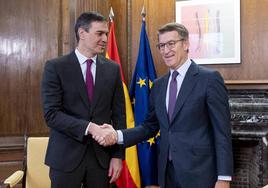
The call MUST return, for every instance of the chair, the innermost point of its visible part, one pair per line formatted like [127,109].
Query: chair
[35,173]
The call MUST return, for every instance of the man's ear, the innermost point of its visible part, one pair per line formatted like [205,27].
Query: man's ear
[81,33]
[186,45]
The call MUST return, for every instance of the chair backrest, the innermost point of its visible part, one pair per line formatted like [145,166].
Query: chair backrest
[37,173]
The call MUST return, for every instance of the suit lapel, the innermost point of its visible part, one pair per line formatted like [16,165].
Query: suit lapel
[99,82]
[162,101]
[188,84]
[78,79]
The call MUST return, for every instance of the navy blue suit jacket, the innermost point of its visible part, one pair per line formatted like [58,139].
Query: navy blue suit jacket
[68,112]
[199,135]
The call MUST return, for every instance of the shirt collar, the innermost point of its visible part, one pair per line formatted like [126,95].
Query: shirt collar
[183,68]
[82,59]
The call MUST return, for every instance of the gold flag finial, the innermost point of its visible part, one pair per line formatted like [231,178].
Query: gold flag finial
[111,14]
[143,13]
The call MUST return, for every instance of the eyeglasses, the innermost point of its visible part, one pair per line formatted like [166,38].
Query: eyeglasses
[170,44]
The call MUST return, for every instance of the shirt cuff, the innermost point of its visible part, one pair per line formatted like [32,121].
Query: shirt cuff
[225,178]
[86,133]
[120,139]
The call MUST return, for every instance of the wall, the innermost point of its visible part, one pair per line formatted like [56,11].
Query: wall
[26,42]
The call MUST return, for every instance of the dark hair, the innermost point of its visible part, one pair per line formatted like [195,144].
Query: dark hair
[181,29]
[84,21]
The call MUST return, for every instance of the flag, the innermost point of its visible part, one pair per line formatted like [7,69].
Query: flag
[141,83]
[130,176]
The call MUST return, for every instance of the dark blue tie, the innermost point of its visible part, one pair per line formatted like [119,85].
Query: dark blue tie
[89,80]
[172,94]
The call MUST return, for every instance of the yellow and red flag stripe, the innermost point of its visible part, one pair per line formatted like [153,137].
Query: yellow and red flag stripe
[130,176]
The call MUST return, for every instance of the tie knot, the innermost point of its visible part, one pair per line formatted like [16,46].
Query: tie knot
[89,62]
[174,75]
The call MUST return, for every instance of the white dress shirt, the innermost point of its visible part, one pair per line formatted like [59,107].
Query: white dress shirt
[82,61]
[182,72]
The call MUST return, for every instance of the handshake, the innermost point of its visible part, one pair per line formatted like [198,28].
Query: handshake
[105,134]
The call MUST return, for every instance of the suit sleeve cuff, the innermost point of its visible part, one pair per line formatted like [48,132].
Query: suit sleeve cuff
[225,178]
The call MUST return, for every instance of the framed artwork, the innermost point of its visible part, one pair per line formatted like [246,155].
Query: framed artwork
[214,29]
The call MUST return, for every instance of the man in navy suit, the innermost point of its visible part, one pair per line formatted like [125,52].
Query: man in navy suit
[79,91]
[189,105]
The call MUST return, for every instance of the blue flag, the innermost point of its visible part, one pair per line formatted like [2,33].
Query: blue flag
[141,83]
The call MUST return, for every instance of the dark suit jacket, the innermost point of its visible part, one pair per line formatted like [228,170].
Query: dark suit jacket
[199,135]
[67,110]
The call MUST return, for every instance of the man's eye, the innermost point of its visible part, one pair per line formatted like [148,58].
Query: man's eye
[171,43]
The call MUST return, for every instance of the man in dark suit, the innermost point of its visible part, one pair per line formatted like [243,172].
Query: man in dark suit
[189,106]
[79,91]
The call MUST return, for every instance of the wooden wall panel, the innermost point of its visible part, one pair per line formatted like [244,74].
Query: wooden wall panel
[120,8]
[11,156]
[66,30]
[26,42]
[101,6]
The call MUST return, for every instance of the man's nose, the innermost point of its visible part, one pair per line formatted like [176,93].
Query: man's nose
[166,49]
[104,38]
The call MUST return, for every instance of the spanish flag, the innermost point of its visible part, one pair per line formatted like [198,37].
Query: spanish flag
[130,176]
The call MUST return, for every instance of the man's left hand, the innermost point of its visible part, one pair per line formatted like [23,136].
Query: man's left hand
[115,169]
[222,184]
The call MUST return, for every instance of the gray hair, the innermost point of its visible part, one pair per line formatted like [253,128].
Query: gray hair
[181,29]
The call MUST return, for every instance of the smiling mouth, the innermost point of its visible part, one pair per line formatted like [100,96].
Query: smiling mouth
[168,57]
[102,46]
